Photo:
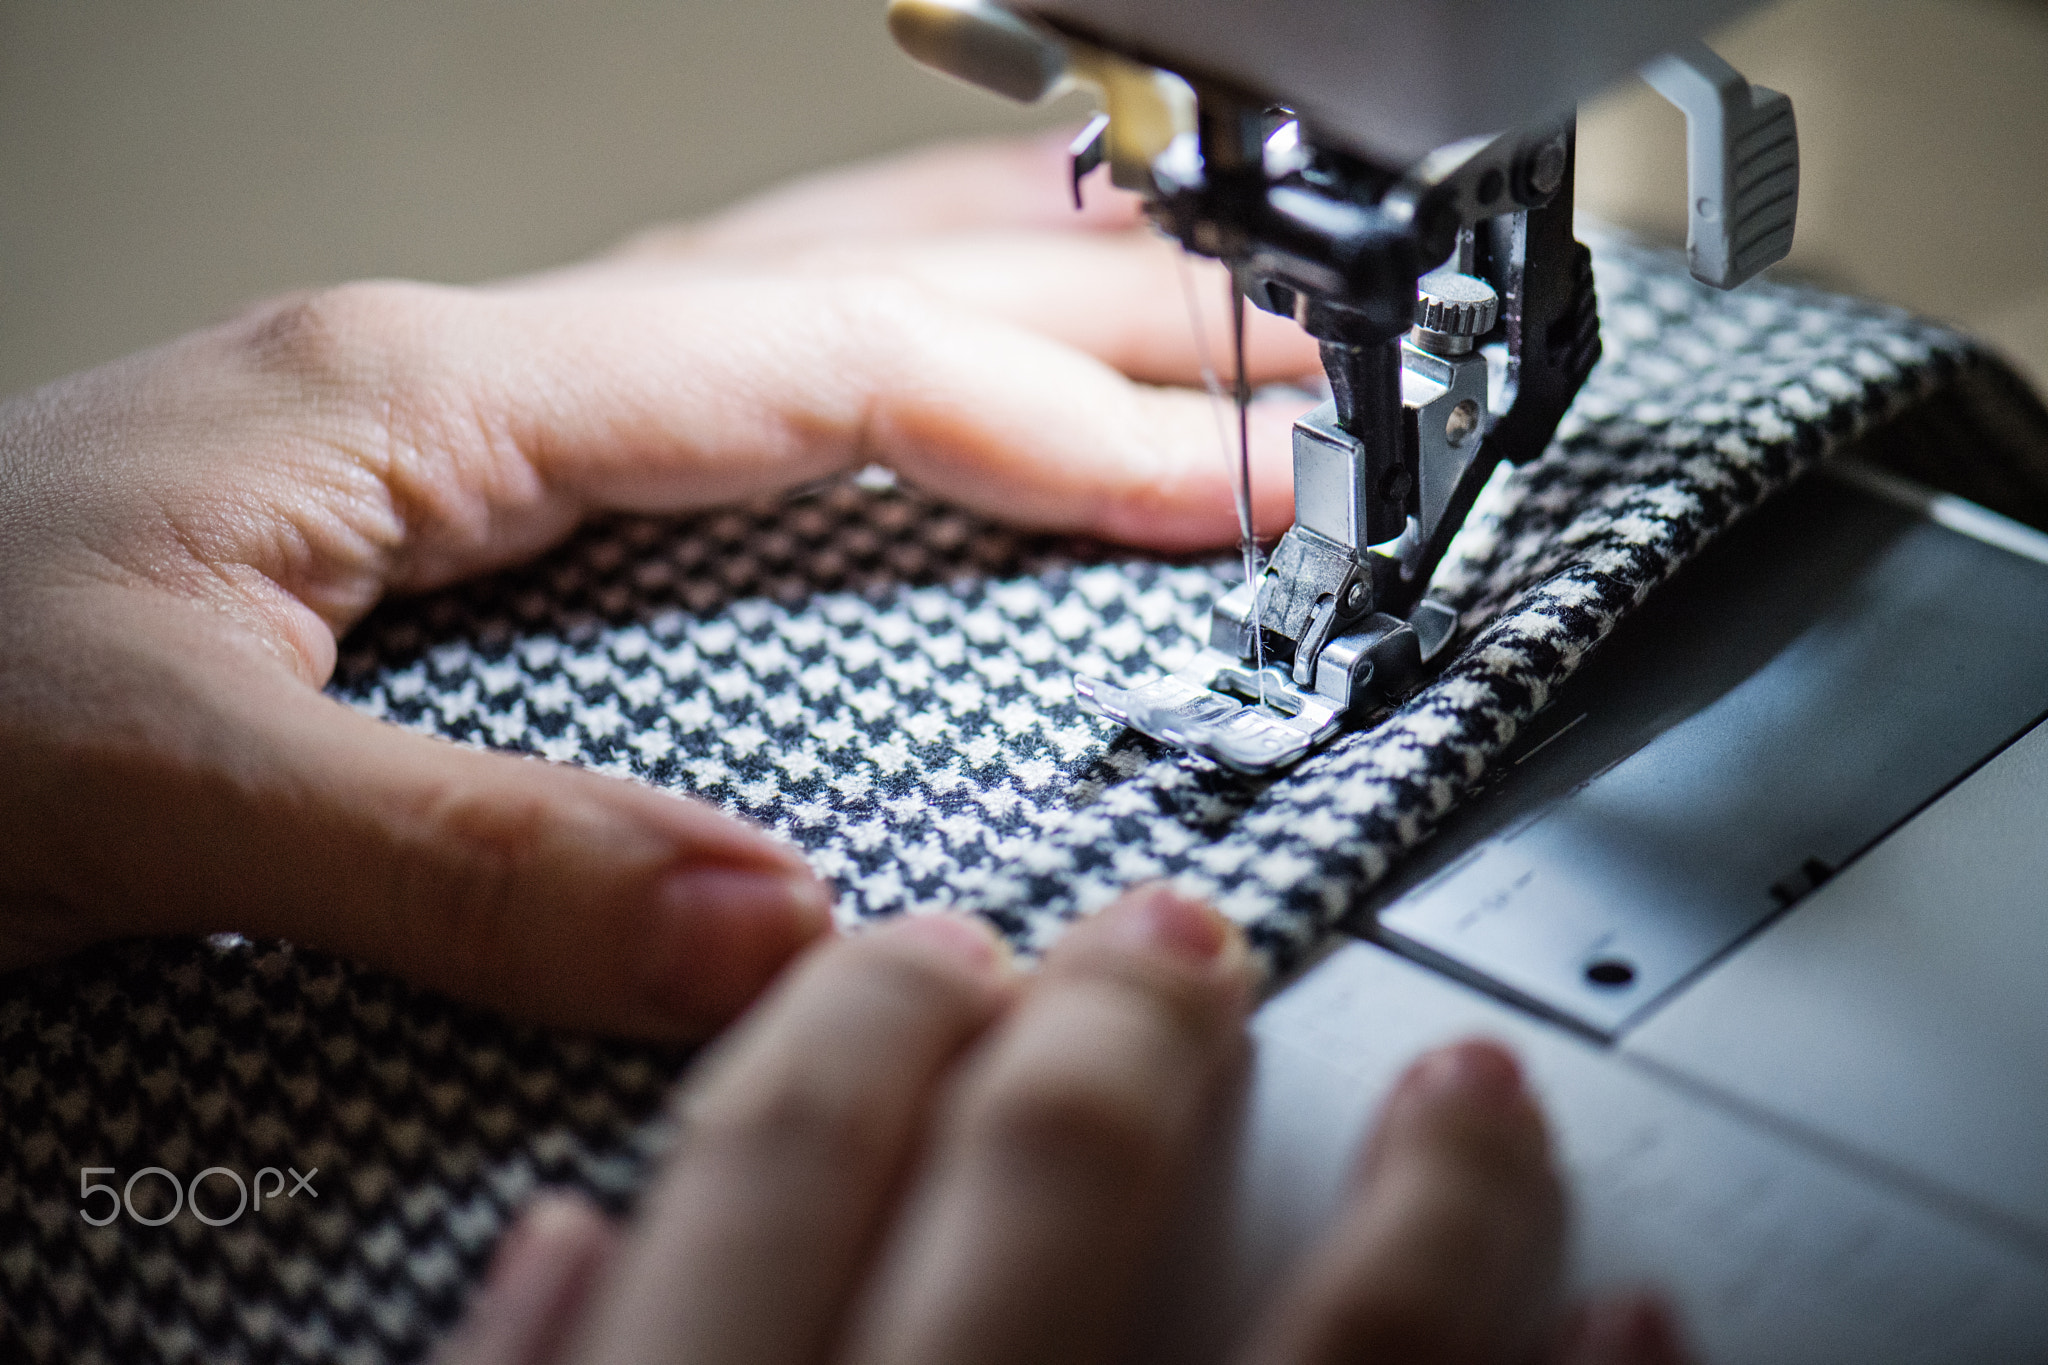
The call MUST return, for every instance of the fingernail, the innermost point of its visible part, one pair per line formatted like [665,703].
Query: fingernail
[720,933]
[965,939]
[796,896]
[540,1278]
[508,1258]
[1474,1070]
[1160,919]
[539,1224]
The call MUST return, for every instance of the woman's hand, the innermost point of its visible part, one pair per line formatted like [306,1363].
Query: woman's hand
[906,1156]
[185,534]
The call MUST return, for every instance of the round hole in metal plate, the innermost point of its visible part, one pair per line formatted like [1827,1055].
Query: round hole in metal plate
[1611,973]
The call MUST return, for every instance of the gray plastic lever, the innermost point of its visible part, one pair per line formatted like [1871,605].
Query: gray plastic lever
[981,43]
[1742,165]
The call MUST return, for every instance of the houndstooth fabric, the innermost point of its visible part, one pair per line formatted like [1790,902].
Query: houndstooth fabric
[886,682]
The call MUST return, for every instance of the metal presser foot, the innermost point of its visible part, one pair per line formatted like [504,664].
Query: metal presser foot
[1342,630]
[1436,376]
[1255,721]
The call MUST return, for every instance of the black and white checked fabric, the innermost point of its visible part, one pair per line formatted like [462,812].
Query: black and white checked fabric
[886,682]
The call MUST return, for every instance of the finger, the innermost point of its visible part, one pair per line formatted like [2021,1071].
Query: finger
[1130,299]
[237,798]
[1125,298]
[541,1277]
[953,187]
[1057,1155]
[1043,437]
[791,1145]
[1449,1247]
[1628,1329]
[489,423]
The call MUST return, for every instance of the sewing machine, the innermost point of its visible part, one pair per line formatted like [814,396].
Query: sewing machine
[1345,161]
[1758,898]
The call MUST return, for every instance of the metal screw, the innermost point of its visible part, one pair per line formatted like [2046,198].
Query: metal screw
[1451,309]
[1543,168]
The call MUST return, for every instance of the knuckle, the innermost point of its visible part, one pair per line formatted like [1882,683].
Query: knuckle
[786,1116]
[877,306]
[922,989]
[1166,1008]
[796,1095]
[1073,1126]
[779,1112]
[384,375]
[344,333]
[466,874]
[1494,1159]
[1515,1166]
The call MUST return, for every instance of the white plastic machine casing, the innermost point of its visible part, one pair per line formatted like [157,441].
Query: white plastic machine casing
[1399,78]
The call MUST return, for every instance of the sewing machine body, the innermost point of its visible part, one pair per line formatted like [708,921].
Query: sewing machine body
[1455,311]
[1400,78]
[1759,900]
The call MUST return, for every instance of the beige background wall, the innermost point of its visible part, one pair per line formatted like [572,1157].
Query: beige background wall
[161,162]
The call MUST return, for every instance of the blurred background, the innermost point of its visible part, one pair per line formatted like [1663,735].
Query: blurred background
[161,163]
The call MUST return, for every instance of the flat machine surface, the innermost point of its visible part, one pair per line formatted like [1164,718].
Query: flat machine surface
[1800,799]
[1901,1016]
[1808,684]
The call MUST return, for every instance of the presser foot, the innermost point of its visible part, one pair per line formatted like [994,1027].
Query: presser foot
[1256,721]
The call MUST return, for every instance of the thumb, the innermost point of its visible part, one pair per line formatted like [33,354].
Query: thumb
[232,796]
